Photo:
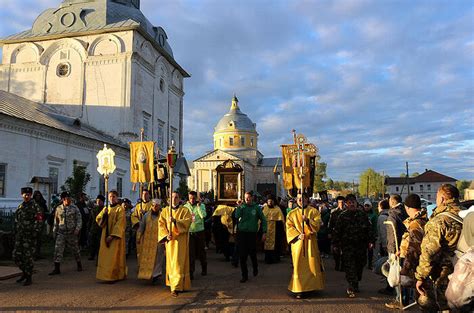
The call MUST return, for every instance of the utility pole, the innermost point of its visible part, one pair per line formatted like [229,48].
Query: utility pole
[407,180]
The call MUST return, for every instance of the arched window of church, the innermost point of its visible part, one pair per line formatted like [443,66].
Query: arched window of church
[231,141]
[242,141]
[251,142]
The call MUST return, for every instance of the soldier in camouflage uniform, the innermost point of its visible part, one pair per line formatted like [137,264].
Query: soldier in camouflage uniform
[442,233]
[28,221]
[67,226]
[352,235]
[410,246]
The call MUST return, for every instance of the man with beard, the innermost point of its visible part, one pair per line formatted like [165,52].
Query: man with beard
[174,232]
[301,233]
[153,253]
[275,231]
[111,265]
[352,235]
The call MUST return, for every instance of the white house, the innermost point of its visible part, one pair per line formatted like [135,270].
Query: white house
[425,185]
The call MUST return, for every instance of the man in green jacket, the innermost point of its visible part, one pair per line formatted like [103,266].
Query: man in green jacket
[442,233]
[248,215]
[196,234]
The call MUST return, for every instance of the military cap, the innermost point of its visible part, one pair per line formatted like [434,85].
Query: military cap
[26,190]
[340,198]
[65,194]
[100,197]
[413,201]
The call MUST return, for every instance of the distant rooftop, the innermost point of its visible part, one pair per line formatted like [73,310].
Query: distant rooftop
[429,176]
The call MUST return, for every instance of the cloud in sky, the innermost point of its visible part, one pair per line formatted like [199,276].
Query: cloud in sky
[372,83]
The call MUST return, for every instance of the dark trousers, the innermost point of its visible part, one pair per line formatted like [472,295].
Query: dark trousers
[370,257]
[197,251]
[337,259]
[354,260]
[94,242]
[247,243]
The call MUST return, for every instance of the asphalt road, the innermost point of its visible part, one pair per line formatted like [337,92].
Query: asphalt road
[219,291]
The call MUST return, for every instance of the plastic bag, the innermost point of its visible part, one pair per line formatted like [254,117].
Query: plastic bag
[393,277]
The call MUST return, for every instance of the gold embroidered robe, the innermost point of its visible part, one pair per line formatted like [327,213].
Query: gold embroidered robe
[273,215]
[111,264]
[308,271]
[177,250]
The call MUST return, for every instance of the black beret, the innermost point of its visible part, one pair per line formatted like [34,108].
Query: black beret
[26,190]
[100,197]
[340,198]
[413,201]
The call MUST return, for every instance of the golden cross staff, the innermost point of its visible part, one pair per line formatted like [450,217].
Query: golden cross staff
[301,149]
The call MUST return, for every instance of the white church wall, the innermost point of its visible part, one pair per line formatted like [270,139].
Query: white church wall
[106,71]
[33,150]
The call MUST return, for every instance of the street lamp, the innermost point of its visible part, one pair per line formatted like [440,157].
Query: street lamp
[106,166]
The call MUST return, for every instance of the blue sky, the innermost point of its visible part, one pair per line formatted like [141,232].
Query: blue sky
[371,83]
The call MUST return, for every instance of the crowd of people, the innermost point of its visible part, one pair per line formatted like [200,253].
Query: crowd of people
[167,240]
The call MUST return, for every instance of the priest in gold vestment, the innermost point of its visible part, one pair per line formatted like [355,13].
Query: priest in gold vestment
[152,257]
[111,263]
[275,231]
[174,231]
[308,271]
[142,207]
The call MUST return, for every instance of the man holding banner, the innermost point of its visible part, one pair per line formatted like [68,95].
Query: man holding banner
[173,230]
[303,222]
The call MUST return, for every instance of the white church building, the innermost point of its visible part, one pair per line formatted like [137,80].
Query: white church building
[87,73]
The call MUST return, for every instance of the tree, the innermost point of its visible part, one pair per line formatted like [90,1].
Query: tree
[183,189]
[415,174]
[370,183]
[462,185]
[329,184]
[319,174]
[77,182]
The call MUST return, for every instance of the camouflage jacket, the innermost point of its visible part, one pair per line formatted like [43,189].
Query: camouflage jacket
[352,230]
[410,247]
[28,220]
[67,219]
[437,248]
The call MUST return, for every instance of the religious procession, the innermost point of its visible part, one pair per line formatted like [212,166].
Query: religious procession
[113,198]
[426,259]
